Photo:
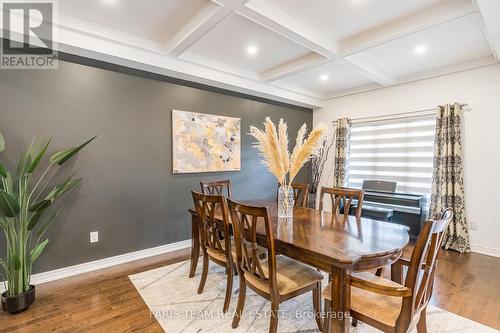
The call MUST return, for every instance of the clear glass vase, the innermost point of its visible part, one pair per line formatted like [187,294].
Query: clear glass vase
[285,202]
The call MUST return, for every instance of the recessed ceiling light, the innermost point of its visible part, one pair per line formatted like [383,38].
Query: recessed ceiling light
[324,77]
[110,2]
[420,49]
[252,50]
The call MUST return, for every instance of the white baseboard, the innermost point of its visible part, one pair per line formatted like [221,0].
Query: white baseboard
[61,273]
[489,251]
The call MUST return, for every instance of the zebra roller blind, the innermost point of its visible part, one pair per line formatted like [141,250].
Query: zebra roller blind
[398,150]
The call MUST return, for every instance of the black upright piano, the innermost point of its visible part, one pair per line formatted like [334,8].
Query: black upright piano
[382,202]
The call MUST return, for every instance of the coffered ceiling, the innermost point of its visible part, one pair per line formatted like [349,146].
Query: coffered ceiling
[297,51]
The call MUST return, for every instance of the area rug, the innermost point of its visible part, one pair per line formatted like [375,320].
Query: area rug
[174,302]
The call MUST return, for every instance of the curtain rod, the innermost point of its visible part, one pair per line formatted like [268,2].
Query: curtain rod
[400,115]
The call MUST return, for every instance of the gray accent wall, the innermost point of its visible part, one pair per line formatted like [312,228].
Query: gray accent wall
[128,193]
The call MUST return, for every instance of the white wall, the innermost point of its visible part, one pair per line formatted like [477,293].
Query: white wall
[480,88]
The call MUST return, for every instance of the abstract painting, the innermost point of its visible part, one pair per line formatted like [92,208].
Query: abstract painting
[205,142]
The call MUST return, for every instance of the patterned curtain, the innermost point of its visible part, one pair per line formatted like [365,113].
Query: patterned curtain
[448,176]
[343,135]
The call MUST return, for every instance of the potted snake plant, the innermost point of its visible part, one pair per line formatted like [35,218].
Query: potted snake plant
[25,216]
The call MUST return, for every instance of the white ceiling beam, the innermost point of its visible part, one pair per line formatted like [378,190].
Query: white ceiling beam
[198,25]
[393,30]
[273,18]
[344,51]
[207,18]
[294,66]
[428,17]
[364,68]
[489,10]
[464,66]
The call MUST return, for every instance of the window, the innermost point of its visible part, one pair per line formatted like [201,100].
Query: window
[399,150]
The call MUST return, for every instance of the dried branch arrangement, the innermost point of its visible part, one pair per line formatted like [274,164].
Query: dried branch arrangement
[272,143]
[317,165]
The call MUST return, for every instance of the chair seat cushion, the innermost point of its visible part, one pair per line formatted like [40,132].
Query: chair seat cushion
[384,309]
[221,255]
[291,275]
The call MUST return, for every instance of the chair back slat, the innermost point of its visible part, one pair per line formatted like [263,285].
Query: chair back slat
[300,191]
[423,263]
[213,221]
[342,197]
[218,187]
[246,220]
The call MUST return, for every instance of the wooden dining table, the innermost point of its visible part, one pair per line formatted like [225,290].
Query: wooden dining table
[333,243]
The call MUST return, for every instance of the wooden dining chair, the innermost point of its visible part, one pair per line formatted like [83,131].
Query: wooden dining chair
[275,278]
[215,239]
[391,305]
[218,187]
[342,197]
[300,191]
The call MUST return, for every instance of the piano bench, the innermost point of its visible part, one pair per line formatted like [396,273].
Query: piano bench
[377,213]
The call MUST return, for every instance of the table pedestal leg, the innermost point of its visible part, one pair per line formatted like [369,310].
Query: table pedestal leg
[339,322]
[195,245]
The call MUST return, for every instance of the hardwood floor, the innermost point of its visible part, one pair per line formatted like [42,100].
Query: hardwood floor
[106,300]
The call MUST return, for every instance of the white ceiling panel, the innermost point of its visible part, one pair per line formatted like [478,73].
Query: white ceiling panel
[285,47]
[229,42]
[450,43]
[157,20]
[326,79]
[339,19]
